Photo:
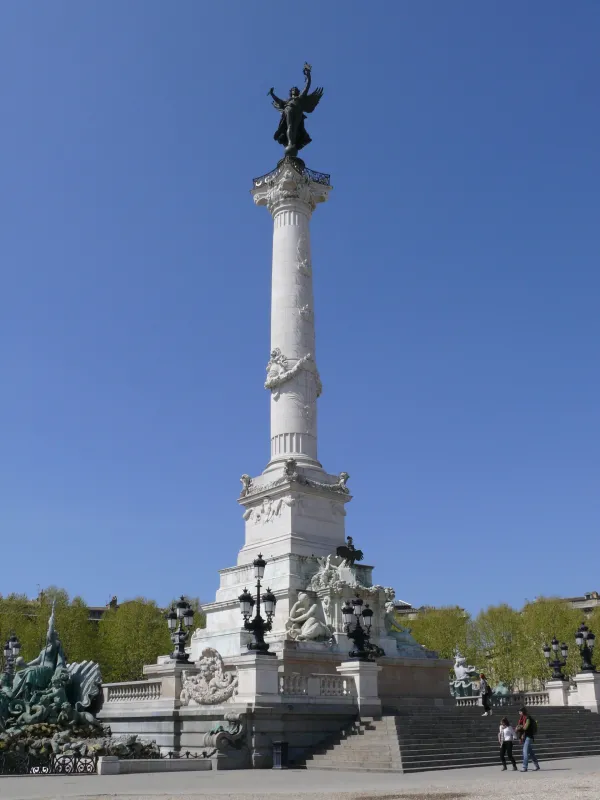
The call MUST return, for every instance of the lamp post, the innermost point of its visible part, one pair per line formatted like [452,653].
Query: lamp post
[12,648]
[180,619]
[357,618]
[556,665]
[258,626]
[585,640]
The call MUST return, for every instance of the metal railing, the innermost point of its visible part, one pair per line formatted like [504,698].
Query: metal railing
[29,764]
[300,167]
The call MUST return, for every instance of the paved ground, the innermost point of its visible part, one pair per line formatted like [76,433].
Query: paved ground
[575,779]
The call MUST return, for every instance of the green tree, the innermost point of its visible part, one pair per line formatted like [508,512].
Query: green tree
[18,614]
[593,623]
[498,635]
[443,630]
[130,636]
[29,620]
[542,620]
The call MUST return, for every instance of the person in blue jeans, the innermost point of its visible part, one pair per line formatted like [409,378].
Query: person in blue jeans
[527,727]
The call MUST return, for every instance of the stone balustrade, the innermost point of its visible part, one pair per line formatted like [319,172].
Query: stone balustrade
[336,686]
[517,698]
[295,685]
[132,691]
[468,702]
[318,687]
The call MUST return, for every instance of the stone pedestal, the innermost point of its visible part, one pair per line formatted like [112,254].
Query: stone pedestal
[558,693]
[364,674]
[588,689]
[170,674]
[258,680]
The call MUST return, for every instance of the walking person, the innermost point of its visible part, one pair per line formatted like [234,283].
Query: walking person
[506,738]
[527,728]
[485,690]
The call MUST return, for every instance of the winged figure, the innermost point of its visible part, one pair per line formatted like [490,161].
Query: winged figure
[291,132]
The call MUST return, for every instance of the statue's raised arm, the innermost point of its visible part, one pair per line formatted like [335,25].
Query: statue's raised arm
[307,79]
[291,132]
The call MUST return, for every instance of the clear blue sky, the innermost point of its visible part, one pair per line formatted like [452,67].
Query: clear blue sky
[456,276]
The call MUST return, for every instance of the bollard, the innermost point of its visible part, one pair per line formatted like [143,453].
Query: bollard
[280,755]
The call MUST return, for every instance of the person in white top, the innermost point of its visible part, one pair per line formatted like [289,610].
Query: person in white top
[506,737]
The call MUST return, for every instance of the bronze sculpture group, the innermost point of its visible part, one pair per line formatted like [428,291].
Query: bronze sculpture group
[48,689]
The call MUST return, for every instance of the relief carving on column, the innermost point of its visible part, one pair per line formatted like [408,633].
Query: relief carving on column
[306,312]
[303,264]
[278,371]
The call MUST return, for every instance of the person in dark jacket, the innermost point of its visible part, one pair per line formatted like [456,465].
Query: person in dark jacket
[485,690]
[527,728]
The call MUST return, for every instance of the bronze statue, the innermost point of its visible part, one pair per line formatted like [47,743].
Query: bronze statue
[291,132]
[349,552]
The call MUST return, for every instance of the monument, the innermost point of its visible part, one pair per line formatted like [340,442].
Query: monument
[294,511]
[294,518]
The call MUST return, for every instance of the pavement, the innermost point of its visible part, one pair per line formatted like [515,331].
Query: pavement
[577,779]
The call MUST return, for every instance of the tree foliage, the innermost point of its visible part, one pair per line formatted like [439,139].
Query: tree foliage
[124,640]
[130,636]
[503,642]
[444,630]
[498,644]
[541,620]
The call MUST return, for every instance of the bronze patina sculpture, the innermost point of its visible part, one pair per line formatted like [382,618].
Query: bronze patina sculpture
[48,689]
[291,132]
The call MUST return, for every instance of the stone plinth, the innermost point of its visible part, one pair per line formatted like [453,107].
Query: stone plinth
[170,674]
[558,693]
[588,689]
[258,680]
[364,674]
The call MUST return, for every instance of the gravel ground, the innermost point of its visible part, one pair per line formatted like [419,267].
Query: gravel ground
[575,779]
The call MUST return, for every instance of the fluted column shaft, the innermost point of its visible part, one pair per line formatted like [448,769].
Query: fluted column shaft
[292,375]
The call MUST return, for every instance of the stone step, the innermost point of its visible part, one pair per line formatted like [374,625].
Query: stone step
[489,746]
[337,768]
[458,730]
[468,758]
[344,755]
[485,762]
[414,743]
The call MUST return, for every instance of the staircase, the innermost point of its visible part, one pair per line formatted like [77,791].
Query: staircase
[418,740]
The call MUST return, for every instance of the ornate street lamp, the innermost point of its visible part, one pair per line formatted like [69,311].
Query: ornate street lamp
[258,626]
[357,617]
[585,640]
[180,620]
[556,665]
[12,648]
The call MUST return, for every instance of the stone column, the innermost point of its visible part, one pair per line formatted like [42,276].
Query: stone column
[558,693]
[588,689]
[291,193]
[364,674]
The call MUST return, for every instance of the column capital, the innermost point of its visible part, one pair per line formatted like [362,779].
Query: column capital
[291,185]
